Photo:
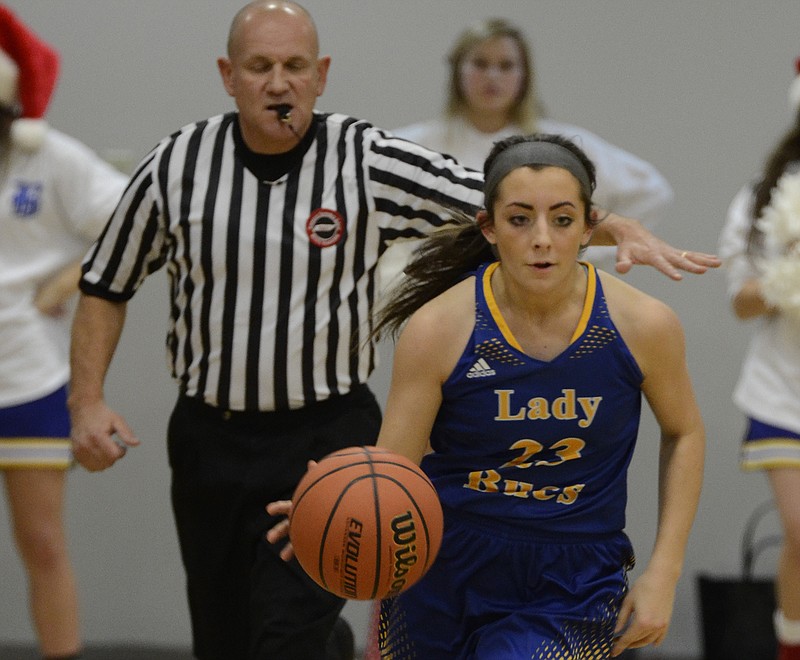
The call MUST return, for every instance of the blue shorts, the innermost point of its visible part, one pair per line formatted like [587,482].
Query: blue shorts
[766,447]
[36,434]
[494,594]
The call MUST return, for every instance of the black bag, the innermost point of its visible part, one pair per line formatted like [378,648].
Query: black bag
[737,612]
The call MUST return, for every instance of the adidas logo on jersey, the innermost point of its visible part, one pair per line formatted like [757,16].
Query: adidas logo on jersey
[480,369]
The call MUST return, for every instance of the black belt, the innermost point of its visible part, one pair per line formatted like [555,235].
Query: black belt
[250,418]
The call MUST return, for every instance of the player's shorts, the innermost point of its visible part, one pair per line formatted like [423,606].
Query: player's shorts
[766,447]
[500,593]
[35,435]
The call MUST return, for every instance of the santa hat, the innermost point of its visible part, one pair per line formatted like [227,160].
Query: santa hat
[28,74]
[794,88]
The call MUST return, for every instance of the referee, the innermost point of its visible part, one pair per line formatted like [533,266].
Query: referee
[270,221]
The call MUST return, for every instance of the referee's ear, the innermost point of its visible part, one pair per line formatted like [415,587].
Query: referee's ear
[323,64]
[225,70]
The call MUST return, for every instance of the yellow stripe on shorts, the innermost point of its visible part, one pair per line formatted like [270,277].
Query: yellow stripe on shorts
[35,453]
[770,453]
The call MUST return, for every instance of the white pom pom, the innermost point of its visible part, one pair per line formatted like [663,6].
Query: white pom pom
[28,134]
[779,285]
[780,222]
[780,219]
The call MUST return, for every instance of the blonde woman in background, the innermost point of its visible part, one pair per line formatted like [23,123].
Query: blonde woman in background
[491,95]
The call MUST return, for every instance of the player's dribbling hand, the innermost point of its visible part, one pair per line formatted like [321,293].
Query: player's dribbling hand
[280,530]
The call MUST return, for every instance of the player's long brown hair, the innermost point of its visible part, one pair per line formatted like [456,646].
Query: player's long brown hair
[439,263]
[785,153]
[450,254]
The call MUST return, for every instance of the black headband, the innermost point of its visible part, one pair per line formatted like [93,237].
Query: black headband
[536,153]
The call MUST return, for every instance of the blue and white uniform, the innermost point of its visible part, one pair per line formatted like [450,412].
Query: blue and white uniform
[530,462]
[768,388]
[54,201]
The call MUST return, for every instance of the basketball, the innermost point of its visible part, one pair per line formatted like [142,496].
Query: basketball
[366,523]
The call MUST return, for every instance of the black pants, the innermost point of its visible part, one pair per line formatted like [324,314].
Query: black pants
[245,602]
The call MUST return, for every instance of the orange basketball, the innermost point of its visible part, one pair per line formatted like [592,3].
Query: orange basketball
[366,523]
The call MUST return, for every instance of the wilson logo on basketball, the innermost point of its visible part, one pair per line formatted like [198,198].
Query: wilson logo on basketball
[404,534]
[352,549]
[366,523]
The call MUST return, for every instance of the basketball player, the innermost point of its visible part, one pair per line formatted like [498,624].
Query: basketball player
[525,369]
[527,378]
[271,221]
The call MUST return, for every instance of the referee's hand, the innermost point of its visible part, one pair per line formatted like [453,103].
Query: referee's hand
[100,437]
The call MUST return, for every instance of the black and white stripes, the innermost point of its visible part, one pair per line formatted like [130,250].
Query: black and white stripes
[272,283]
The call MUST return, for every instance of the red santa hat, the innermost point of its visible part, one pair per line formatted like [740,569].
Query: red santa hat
[794,88]
[28,75]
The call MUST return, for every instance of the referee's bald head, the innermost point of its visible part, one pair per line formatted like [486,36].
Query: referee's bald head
[252,9]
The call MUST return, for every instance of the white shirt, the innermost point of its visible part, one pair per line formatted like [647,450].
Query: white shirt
[626,184]
[768,388]
[53,203]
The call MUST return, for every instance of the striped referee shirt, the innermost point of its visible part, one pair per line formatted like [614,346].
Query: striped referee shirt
[272,282]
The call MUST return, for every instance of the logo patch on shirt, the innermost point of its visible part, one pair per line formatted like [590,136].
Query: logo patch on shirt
[27,198]
[325,227]
[480,369]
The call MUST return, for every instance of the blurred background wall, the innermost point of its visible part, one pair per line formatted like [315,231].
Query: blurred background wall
[697,88]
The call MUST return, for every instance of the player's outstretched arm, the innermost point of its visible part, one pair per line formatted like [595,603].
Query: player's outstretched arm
[636,245]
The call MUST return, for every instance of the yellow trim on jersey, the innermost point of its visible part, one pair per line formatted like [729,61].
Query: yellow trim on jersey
[494,309]
[583,321]
[588,301]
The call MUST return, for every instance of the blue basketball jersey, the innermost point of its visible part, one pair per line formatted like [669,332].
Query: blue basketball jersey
[540,445]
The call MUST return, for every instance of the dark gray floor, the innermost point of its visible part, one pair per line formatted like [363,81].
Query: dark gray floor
[152,653]
[104,653]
